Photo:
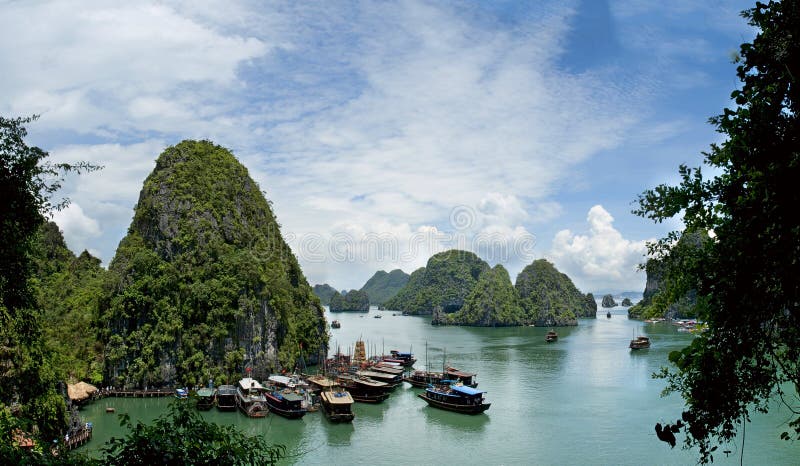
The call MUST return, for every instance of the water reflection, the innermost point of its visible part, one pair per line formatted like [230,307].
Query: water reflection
[442,419]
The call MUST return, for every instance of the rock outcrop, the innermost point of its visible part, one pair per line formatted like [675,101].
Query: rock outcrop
[549,296]
[384,286]
[608,301]
[493,302]
[324,292]
[204,284]
[353,301]
[626,302]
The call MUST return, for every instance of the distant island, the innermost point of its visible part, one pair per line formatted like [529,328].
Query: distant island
[353,301]
[324,292]
[458,288]
[626,302]
[608,301]
[383,286]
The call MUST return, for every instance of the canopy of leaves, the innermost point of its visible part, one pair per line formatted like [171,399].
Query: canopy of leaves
[383,286]
[204,282]
[746,278]
[324,293]
[493,302]
[354,301]
[550,297]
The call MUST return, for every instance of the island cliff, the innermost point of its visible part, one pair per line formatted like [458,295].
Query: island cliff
[383,286]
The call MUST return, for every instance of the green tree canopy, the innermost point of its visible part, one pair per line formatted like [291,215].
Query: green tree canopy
[746,278]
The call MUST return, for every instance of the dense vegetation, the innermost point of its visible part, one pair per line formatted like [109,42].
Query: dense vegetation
[745,279]
[353,300]
[324,293]
[550,297]
[383,286]
[204,284]
[446,281]
[493,302]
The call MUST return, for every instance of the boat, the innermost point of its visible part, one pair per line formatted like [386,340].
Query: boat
[456,398]
[551,336]
[226,398]
[639,342]
[392,380]
[286,403]
[205,398]
[364,389]
[422,379]
[336,324]
[377,316]
[337,404]
[608,314]
[404,359]
[320,382]
[181,393]
[250,398]
[109,409]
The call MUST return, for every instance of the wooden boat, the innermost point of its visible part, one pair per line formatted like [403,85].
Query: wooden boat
[337,404]
[551,336]
[392,380]
[320,382]
[336,324]
[286,403]
[364,389]
[110,409]
[388,369]
[181,393]
[250,398]
[205,398]
[226,398]
[608,314]
[422,379]
[456,398]
[639,342]
[404,359]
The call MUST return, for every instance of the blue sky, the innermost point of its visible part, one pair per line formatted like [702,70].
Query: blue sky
[384,132]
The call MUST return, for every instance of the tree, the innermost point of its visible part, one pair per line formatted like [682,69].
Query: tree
[27,183]
[746,277]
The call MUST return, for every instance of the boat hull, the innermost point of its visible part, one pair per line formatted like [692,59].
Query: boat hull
[456,408]
[334,416]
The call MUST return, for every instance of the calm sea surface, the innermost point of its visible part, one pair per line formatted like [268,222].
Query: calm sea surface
[586,399]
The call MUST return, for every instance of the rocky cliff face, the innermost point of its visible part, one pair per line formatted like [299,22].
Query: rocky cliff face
[384,286]
[608,301]
[324,292]
[204,284]
[492,303]
[353,301]
[446,281]
[550,297]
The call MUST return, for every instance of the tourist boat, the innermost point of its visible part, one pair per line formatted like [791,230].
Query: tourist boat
[377,316]
[364,389]
[387,368]
[336,324]
[226,398]
[337,405]
[608,314]
[181,393]
[456,398]
[286,403]
[320,382]
[551,336]
[250,398]
[422,379]
[404,359]
[639,342]
[392,380]
[205,398]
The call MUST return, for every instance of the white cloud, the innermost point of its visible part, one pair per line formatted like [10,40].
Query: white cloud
[78,228]
[602,258]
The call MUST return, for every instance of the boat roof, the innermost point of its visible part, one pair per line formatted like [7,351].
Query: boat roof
[380,375]
[288,396]
[249,383]
[398,353]
[338,398]
[205,392]
[458,373]
[466,390]
[282,380]
[226,390]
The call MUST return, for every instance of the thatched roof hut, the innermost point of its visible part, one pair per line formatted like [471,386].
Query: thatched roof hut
[80,391]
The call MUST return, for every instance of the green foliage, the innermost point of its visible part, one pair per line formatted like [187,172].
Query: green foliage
[383,286]
[324,293]
[746,278]
[550,298]
[204,279]
[354,300]
[493,302]
[182,437]
[446,281]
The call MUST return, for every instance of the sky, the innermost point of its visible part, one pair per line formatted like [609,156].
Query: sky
[384,132]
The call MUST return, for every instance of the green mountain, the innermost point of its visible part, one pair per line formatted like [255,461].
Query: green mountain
[550,297]
[384,286]
[324,293]
[68,290]
[446,281]
[203,284]
[493,302]
[353,301]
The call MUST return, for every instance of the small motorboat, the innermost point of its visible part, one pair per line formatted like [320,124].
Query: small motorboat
[608,314]
[110,409]
[551,336]
[639,342]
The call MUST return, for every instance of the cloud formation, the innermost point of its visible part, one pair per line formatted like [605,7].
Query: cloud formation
[600,259]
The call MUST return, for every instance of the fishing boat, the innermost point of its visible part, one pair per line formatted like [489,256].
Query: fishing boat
[205,398]
[608,314]
[181,393]
[286,403]
[456,398]
[336,324]
[639,342]
[404,359]
[377,316]
[364,389]
[392,380]
[337,404]
[551,336]
[226,398]
[422,379]
[250,398]
[320,382]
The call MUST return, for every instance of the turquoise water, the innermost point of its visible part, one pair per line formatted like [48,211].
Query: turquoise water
[586,399]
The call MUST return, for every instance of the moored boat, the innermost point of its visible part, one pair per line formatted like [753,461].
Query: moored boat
[551,336]
[456,398]
[250,398]
[337,404]
[336,324]
[181,393]
[286,403]
[226,398]
[404,359]
[364,389]
[422,379]
[639,342]
[392,380]
[205,398]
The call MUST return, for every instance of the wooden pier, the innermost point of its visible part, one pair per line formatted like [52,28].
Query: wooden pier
[79,438]
[133,393]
